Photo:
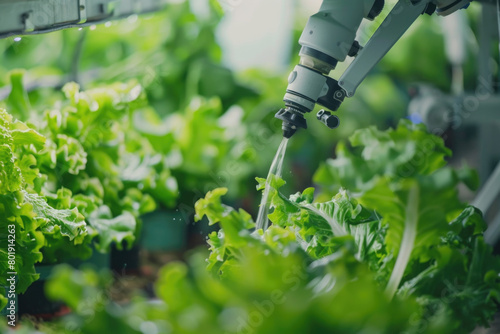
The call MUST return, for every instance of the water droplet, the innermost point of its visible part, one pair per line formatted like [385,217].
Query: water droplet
[93,27]
[107,24]
[17,39]
[79,29]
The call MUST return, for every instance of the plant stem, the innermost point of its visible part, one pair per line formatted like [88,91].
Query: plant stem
[407,243]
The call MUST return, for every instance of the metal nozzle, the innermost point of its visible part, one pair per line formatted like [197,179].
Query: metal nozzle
[288,129]
[292,121]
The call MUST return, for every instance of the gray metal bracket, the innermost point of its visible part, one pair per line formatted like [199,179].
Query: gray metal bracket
[390,31]
[83,11]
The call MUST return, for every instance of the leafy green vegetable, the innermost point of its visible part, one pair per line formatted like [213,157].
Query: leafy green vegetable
[400,174]
[89,164]
[23,212]
[402,218]
[263,282]
[112,230]
[204,147]
[75,166]
[380,258]
[455,287]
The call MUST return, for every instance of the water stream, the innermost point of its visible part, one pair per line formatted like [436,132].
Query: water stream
[276,169]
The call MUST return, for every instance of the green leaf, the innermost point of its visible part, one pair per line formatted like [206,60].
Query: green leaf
[113,230]
[68,223]
[407,151]
[75,287]
[23,135]
[18,216]
[211,206]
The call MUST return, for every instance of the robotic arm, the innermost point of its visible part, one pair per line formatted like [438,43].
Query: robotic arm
[329,38]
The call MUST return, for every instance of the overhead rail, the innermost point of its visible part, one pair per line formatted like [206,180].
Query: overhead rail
[28,17]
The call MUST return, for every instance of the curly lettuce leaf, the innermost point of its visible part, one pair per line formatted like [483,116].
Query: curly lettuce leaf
[323,228]
[432,241]
[29,240]
[405,152]
[400,174]
[253,265]
[24,211]
[464,275]
[92,136]
[109,229]
[67,223]
[14,174]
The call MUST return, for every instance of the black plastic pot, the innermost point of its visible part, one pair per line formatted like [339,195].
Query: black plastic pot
[125,261]
[34,302]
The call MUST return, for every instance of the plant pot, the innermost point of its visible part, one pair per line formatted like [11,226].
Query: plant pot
[125,261]
[163,239]
[34,301]
[163,230]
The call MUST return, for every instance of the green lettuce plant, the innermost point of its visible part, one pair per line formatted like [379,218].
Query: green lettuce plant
[24,212]
[76,176]
[95,160]
[392,253]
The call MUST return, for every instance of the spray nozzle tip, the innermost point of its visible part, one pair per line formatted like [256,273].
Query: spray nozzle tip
[288,130]
[292,121]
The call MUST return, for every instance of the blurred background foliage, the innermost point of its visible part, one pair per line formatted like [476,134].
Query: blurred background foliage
[219,121]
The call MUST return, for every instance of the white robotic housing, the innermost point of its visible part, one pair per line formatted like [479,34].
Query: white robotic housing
[329,38]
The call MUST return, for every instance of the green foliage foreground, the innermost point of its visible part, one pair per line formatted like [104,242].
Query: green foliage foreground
[393,253]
